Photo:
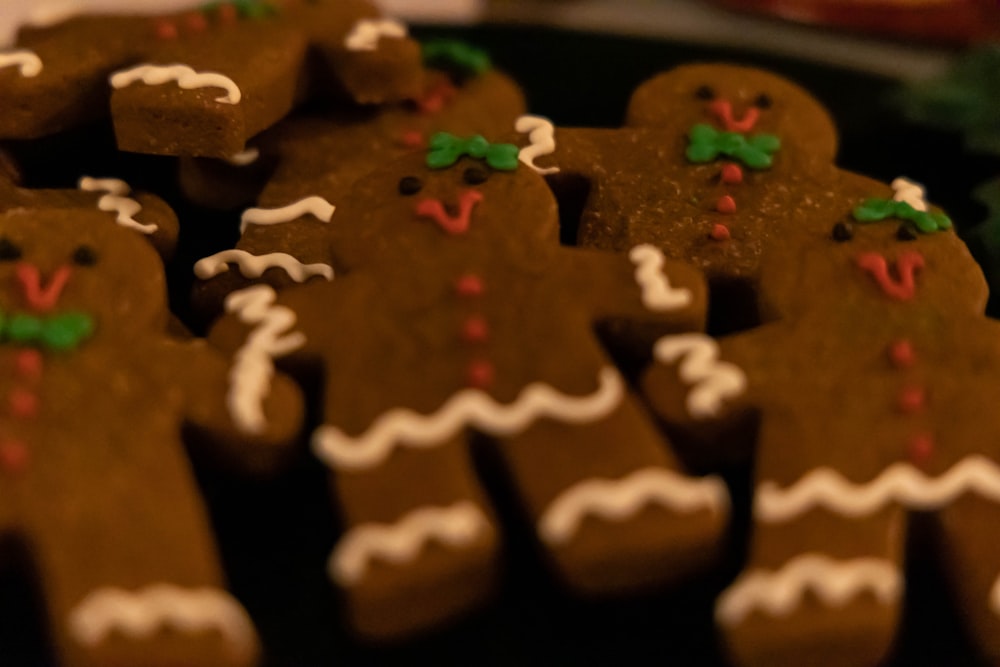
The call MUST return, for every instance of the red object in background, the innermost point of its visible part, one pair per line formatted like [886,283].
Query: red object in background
[957,21]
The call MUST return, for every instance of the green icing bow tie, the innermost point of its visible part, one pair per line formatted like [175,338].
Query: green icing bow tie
[252,9]
[58,332]
[706,143]
[445,149]
[873,210]
[452,54]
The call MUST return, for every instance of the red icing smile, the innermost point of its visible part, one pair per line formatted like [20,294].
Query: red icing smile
[901,289]
[41,298]
[459,224]
[723,110]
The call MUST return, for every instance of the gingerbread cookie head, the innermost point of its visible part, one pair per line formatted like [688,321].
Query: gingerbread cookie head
[730,98]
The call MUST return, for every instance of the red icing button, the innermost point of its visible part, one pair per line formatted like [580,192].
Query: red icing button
[901,353]
[731,173]
[475,330]
[469,285]
[719,233]
[480,374]
[726,204]
[227,13]
[196,21]
[412,139]
[911,399]
[29,364]
[165,29]
[920,448]
[22,403]
[13,456]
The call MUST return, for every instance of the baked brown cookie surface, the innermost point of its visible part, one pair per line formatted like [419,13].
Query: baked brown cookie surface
[455,311]
[202,82]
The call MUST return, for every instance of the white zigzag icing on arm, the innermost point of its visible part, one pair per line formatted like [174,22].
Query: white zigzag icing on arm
[834,582]
[139,614]
[910,192]
[27,62]
[185,77]
[116,201]
[657,294]
[616,500]
[318,207]
[899,483]
[714,381]
[366,33]
[454,526]
[254,266]
[469,407]
[253,364]
[244,158]
[541,135]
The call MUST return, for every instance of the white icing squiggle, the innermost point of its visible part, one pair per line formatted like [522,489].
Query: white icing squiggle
[184,76]
[910,192]
[366,33]
[541,135]
[469,407]
[657,294]
[253,266]
[714,381]
[455,526]
[617,500]
[253,364]
[27,62]
[244,158]
[899,483]
[318,207]
[116,201]
[834,582]
[139,614]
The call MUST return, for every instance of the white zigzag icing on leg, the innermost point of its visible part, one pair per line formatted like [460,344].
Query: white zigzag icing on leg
[657,294]
[397,543]
[253,266]
[116,201]
[899,483]
[253,364]
[141,613]
[714,381]
[469,407]
[620,499]
[318,207]
[834,582]
[185,77]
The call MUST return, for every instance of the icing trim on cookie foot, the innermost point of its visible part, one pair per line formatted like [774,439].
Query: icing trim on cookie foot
[254,266]
[366,33]
[621,499]
[141,613]
[657,294]
[185,77]
[454,526]
[468,407]
[779,593]
[315,206]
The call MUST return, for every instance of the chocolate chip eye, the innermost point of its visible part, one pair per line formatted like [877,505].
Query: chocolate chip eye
[475,175]
[763,101]
[704,93]
[906,232]
[410,185]
[85,256]
[842,231]
[8,250]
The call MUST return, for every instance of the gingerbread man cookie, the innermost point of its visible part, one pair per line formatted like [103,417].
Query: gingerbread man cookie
[869,393]
[201,82]
[326,154]
[96,482]
[717,163]
[455,311]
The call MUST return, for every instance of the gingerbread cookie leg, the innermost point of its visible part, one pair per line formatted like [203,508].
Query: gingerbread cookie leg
[611,505]
[130,578]
[419,544]
[972,557]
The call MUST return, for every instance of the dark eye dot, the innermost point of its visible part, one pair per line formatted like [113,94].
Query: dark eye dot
[85,256]
[475,175]
[763,101]
[8,250]
[410,185]
[842,231]
[704,93]
[906,232]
